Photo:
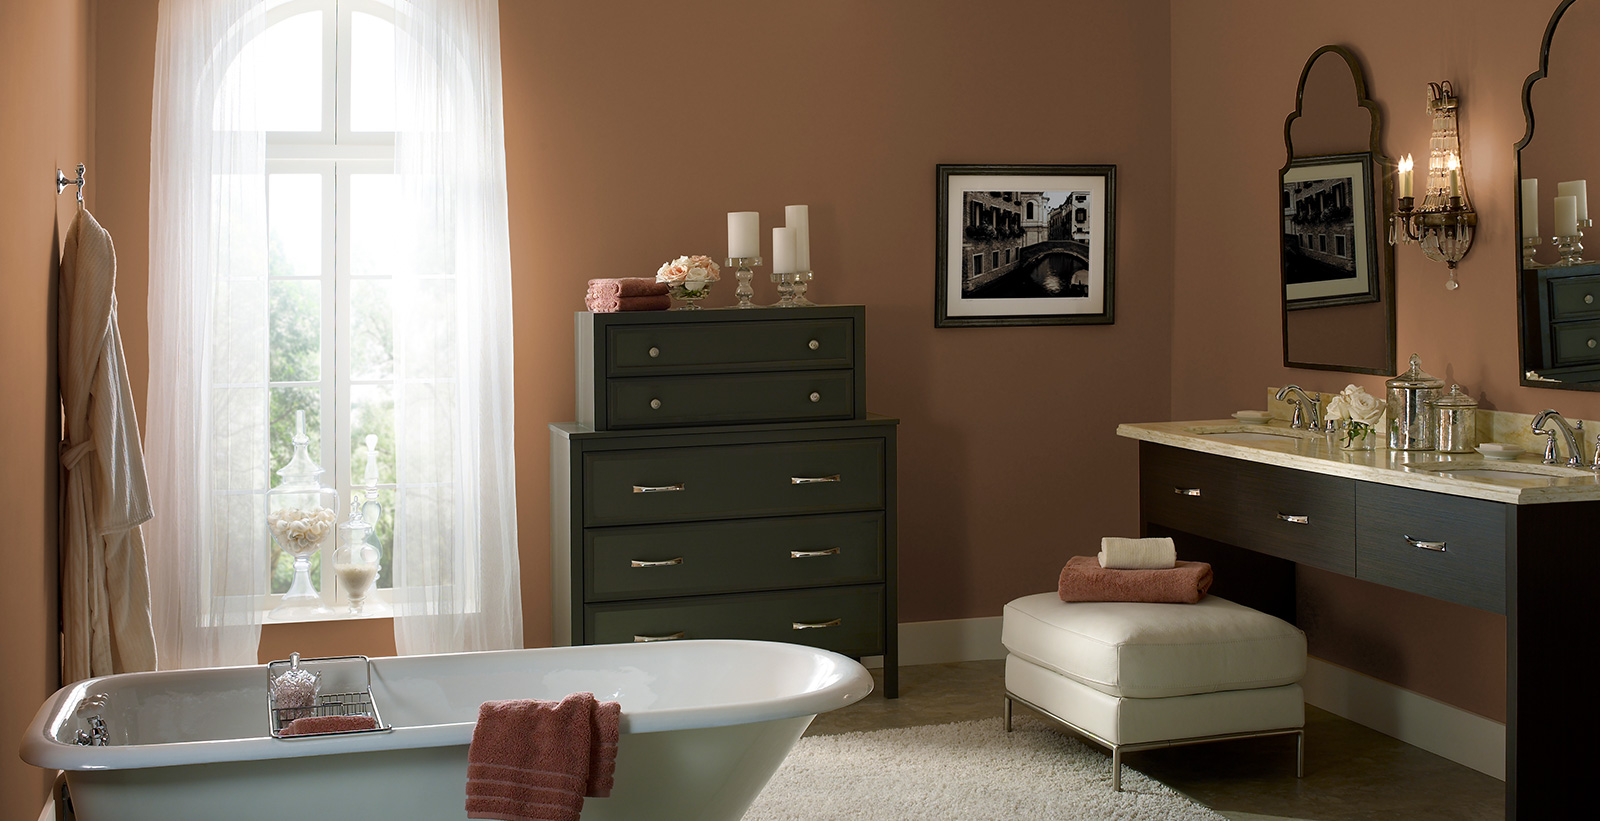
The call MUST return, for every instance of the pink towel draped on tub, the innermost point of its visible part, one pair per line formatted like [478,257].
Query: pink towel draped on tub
[533,760]
[1083,579]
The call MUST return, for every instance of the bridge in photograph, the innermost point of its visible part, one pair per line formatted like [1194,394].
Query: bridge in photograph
[1067,247]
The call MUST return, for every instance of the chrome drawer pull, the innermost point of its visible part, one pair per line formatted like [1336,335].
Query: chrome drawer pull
[1295,520]
[815,397]
[654,352]
[1186,491]
[1426,545]
[813,344]
[812,554]
[812,480]
[662,489]
[667,637]
[812,625]
[655,404]
[667,563]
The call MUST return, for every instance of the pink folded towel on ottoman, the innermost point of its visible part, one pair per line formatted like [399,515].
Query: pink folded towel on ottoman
[534,760]
[628,286]
[1083,579]
[601,304]
[329,724]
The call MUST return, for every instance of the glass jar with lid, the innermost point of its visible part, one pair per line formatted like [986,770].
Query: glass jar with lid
[300,515]
[1412,421]
[356,562]
[1458,421]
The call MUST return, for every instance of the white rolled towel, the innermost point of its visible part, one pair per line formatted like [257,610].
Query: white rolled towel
[1137,554]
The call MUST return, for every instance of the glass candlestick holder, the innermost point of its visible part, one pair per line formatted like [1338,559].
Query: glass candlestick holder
[1569,249]
[744,292]
[802,281]
[785,290]
[1530,247]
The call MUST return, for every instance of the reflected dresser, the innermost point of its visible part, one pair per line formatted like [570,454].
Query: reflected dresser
[724,480]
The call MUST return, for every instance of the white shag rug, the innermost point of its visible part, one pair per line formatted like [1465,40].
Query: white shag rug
[972,771]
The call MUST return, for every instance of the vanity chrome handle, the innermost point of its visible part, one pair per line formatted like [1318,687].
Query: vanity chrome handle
[1186,491]
[1294,519]
[655,404]
[666,637]
[812,554]
[1426,545]
[815,397]
[654,352]
[812,480]
[813,344]
[661,489]
[667,563]
[813,625]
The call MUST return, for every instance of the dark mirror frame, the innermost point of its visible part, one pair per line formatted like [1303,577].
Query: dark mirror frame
[1380,169]
[1533,373]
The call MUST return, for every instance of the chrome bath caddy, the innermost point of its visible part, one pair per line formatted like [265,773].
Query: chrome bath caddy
[351,676]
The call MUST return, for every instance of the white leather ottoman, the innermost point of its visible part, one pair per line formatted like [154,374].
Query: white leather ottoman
[1135,676]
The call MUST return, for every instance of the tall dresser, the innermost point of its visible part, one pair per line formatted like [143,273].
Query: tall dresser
[724,480]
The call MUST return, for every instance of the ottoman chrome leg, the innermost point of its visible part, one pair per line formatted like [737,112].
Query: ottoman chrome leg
[1116,768]
[1300,754]
[1007,713]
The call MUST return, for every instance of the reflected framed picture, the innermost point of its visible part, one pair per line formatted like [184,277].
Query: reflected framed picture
[1330,242]
[1025,245]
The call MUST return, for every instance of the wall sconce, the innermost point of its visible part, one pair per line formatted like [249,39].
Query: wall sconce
[1444,221]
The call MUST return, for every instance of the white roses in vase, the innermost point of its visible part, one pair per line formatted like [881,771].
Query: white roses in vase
[1362,413]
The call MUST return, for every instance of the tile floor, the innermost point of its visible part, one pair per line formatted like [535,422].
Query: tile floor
[1351,772]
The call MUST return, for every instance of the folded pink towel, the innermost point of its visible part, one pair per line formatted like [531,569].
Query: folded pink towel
[613,304]
[329,724]
[534,760]
[627,286]
[1083,579]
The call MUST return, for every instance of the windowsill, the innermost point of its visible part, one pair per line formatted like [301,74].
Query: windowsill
[374,610]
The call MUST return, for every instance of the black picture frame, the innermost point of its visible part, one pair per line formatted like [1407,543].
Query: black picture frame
[1025,245]
[1328,247]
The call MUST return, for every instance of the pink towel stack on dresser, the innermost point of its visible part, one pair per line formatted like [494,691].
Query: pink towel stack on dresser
[608,296]
[1083,579]
[534,760]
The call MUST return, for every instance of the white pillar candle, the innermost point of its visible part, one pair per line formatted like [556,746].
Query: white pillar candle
[798,217]
[783,251]
[1405,176]
[1455,175]
[1530,208]
[1579,190]
[1566,216]
[744,233]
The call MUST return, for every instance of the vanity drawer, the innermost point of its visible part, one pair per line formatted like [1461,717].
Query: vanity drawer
[651,561]
[1575,343]
[1186,490]
[847,620]
[1575,297]
[653,402]
[732,481]
[1462,557]
[707,347]
[1305,517]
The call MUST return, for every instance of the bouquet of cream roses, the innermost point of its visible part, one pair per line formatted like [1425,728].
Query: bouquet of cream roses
[690,272]
[1363,412]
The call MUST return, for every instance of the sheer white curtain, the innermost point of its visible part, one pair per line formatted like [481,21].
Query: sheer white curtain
[456,570]
[206,449]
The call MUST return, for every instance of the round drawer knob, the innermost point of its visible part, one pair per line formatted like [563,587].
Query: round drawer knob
[654,352]
[813,344]
[817,397]
[655,404]
[1591,343]
[1588,299]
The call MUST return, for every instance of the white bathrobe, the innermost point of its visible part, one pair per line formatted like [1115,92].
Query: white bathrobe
[105,585]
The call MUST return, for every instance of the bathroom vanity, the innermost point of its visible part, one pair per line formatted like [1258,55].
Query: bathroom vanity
[1508,537]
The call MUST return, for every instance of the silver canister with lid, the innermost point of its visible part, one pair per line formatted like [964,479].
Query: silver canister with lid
[1458,421]
[1412,421]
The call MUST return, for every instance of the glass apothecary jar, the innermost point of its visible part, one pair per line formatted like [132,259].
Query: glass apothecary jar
[301,515]
[356,562]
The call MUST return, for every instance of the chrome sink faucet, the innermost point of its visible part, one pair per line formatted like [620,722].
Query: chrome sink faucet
[1568,432]
[1302,401]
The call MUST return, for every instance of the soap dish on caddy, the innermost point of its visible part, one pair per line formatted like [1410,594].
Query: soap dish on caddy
[350,677]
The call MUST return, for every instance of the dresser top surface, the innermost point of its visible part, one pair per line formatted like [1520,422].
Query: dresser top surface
[724,315]
[1522,481]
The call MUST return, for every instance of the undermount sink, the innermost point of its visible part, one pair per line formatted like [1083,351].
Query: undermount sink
[1518,473]
[1250,436]
[1257,435]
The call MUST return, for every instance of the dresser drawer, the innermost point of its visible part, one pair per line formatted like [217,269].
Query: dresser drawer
[1575,297]
[1185,490]
[1308,518]
[1575,343]
[648,561]
[653,402]
[732,481]
[692,347]
[1447,547]
[847,620]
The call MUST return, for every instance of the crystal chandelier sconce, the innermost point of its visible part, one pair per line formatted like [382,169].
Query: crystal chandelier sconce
[1443,222]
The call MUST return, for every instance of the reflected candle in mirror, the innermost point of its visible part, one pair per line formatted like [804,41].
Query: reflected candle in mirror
[1578,190]
[1530,208]
[1566,216]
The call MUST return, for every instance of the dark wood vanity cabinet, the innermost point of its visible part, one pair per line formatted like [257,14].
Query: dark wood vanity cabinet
[1538,564]
[1562,321]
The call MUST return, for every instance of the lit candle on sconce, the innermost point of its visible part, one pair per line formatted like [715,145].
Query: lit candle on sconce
[1579,190]
[1405,176]
[1530,208]
[1455,174]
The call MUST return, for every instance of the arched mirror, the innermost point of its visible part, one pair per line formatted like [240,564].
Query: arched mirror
[1558,301]
[1337,267]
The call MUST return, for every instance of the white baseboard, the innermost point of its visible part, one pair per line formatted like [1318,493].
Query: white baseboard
[1461,736]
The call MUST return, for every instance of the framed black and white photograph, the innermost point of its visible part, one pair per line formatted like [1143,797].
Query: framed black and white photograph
[1330,246]
[1025,245]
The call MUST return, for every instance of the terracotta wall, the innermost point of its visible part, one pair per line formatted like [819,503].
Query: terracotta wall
[1234,65]
[45,98]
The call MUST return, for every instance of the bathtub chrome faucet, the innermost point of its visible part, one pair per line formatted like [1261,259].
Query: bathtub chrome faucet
[1568,432]
[1302,400]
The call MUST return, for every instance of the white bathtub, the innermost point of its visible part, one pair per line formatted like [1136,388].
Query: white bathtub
[704,726]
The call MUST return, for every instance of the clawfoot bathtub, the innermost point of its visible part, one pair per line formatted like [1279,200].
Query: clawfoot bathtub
[704,726]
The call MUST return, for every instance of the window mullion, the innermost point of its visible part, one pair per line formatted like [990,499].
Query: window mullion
[340,361]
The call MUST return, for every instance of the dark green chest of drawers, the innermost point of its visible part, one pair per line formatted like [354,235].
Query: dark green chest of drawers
[725,481]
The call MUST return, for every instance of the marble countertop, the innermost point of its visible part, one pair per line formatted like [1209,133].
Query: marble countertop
[1523,481]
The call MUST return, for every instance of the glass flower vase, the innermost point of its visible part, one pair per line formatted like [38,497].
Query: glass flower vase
[300,516]
[689,293]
